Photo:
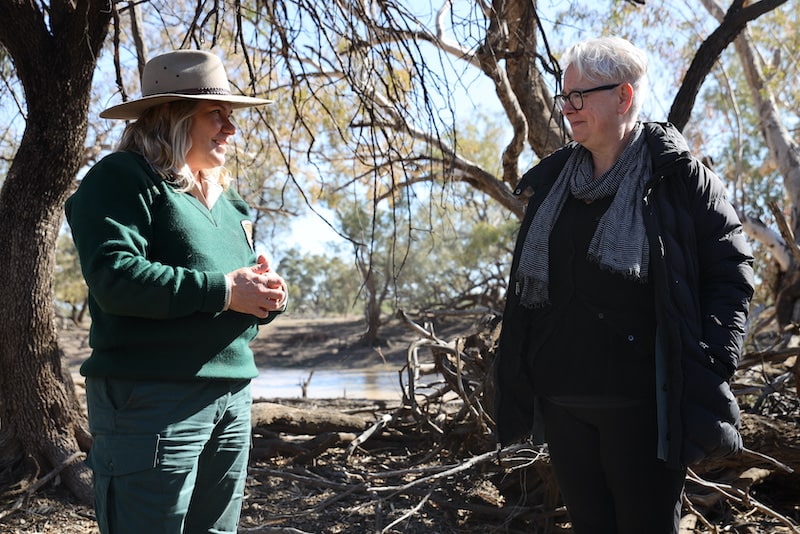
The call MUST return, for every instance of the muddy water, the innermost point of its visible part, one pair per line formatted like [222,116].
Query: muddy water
[373,383]
[370,383]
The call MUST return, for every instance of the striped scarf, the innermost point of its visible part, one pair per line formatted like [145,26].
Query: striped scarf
[619,243]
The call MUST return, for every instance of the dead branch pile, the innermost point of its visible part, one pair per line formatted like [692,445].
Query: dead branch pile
[445,431]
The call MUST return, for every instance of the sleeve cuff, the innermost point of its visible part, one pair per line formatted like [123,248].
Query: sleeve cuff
[228,289]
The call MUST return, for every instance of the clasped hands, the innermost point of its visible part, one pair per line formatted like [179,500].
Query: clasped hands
[257,290]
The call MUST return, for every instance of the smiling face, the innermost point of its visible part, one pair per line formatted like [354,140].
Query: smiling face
[211,128]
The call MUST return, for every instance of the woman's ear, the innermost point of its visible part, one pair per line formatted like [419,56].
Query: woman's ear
[625,98]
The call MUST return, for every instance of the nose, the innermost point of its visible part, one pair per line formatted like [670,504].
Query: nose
[229,126]
[567,107]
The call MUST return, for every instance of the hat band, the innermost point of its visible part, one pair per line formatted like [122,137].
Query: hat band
[201,91]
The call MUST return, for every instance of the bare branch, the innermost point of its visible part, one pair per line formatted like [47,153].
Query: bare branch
[771,240]
[734,21]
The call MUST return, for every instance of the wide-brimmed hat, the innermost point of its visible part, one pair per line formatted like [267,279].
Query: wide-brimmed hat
[181,75]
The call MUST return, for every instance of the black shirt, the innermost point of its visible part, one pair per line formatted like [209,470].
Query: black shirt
[597,337]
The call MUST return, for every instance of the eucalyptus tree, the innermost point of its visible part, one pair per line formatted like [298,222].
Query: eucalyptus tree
[389,58]
[53,50]
[773,92]
[404,128]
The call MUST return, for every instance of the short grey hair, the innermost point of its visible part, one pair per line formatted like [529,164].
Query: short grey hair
[610,60]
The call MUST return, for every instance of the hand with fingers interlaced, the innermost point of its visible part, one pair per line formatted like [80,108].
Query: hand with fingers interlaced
[257,290]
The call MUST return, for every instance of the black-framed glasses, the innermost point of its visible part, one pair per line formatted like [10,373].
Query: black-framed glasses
[575,98]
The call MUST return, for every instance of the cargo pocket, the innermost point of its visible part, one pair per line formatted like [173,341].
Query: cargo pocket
[115,456]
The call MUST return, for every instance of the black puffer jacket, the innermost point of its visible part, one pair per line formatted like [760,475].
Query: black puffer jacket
[701,267]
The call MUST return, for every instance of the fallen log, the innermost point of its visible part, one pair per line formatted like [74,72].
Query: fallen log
[280,418]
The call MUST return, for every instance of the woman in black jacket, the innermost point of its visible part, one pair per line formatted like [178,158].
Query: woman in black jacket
[627,303]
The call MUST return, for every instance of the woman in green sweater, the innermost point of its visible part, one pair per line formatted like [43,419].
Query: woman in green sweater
[176,294]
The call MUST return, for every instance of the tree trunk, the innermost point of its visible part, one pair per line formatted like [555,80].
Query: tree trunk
[38,406]
[55,58]
[372,310]
[365,260]
[511,39]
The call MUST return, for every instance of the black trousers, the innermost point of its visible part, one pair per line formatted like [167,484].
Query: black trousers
[603,453]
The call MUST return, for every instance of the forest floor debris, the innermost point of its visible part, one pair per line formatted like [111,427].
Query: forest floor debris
[426,463]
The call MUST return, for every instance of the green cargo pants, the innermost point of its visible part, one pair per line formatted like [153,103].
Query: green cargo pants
[168,457]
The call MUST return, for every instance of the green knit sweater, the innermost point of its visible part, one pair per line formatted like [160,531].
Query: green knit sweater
[155,262]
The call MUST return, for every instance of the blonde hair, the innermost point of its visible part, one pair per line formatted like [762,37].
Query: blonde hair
[610,60]
[161,135]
